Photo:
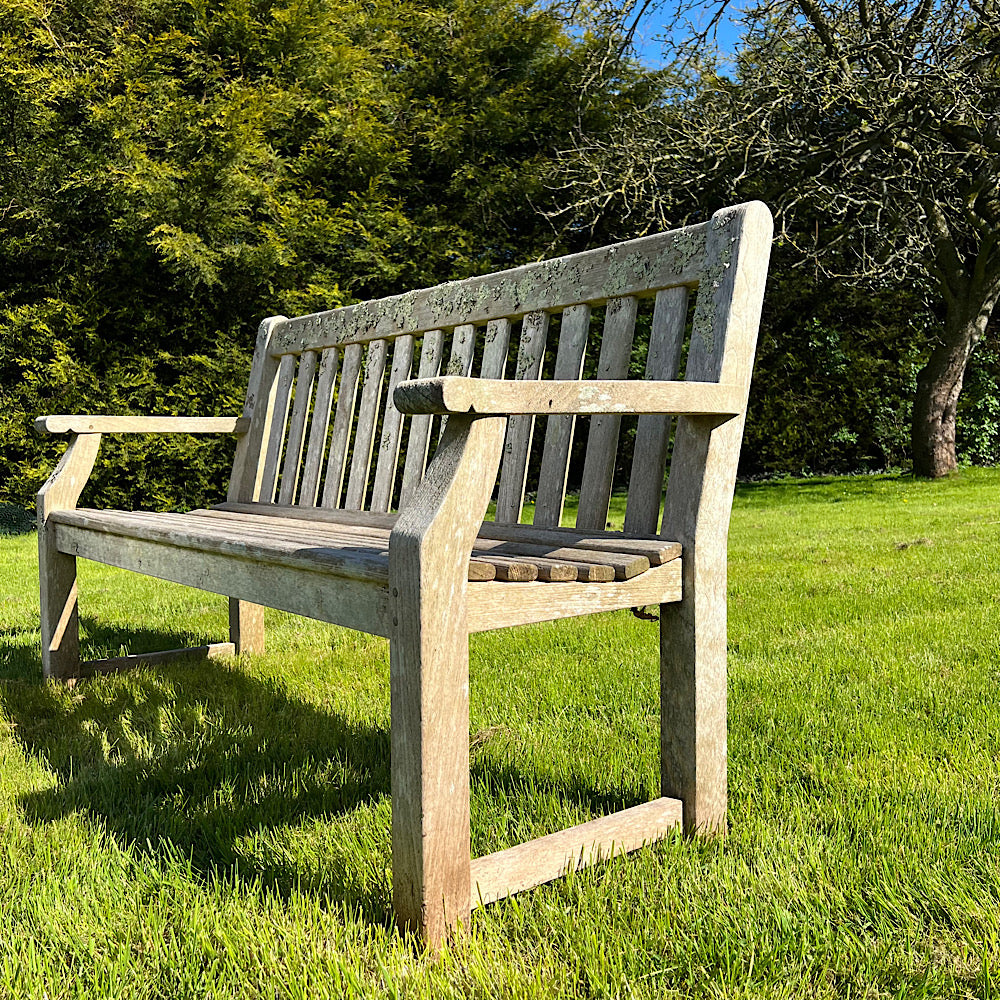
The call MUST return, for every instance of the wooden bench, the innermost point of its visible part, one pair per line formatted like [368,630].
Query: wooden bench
[308,526]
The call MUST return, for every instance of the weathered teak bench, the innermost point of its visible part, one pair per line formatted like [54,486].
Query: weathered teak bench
[308,527]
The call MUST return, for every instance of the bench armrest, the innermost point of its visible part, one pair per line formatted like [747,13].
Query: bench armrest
[99,424]
[455,394]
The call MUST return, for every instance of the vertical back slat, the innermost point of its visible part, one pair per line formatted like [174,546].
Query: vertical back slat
[652,435]
[364,435]
[530,352]
[388,449]
[342,422]
[602,442]
[559,429]
[420,425]
[297,426]
[283,393]
[463,346]
[495,348]
[320,424]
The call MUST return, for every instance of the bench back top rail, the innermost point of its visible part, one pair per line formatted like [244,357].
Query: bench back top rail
[324,430]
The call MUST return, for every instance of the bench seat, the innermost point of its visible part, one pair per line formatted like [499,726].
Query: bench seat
[354,546]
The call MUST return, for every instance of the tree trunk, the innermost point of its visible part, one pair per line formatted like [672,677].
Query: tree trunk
[939,384]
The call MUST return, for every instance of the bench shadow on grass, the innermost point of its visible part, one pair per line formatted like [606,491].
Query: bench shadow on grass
[200,760]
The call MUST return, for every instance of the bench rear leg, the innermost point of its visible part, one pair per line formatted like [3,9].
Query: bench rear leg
[246,626]
[693,703]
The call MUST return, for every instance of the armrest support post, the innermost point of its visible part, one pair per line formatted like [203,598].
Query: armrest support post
[56,570]
[429,550]
[63,488]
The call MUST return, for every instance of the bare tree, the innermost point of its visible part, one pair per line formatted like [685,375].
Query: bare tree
[879,117]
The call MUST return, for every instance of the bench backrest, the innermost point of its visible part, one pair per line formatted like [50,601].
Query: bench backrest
[324,430]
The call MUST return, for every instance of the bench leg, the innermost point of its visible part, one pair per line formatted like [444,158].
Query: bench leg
[431,865]
[693,701]
[246,626]
[60,617]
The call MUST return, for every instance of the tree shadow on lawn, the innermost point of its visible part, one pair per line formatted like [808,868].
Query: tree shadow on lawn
[202,761]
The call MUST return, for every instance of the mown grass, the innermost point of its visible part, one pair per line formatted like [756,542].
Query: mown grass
[222,830]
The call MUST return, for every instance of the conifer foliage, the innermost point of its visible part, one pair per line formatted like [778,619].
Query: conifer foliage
[171,171]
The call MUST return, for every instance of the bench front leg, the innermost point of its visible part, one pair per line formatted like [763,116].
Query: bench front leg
[60,620]
[429,551]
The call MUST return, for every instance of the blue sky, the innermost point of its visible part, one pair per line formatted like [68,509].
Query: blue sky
[649,35]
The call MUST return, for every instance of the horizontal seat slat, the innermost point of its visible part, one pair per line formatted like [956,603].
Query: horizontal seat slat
[184,531]
[352,551]
[313,533]
[520,563]
[656,550]
[358,550]
[360,604]
[585,564]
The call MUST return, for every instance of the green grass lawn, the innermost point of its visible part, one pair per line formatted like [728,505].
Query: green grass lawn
[221,830]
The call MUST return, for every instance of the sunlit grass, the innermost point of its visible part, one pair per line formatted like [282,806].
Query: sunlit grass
[222,830]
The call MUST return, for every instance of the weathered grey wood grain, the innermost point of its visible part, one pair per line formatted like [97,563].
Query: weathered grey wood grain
[602,441]
[429,678]
[342,423]
[463,348]
[601,396]
[696,513]
[496,343]
[573,333]
[101,424]
[246,621]
[276,439]
[498,605]
[246,627]
[364,434]
[431,352]
[517,446]
[652,434]
[436,572]
[60,616]
[388,450]
[122,664]
[358,604]
[319,426]
[656,549]
[297,426]
[504,873]
[492,558]
[258,546]
[258,408]
[638,267]
[313,533]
